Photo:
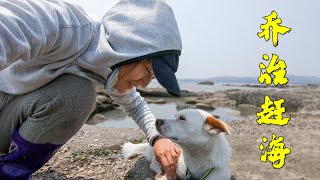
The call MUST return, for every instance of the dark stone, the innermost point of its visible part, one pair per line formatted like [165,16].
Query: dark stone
[206,82]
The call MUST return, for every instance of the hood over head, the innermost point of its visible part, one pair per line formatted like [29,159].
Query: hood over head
[138,28]
[133,30]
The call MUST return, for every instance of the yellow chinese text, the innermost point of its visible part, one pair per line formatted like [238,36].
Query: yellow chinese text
[275,152]
[275,72]
[274,22]
[272,113]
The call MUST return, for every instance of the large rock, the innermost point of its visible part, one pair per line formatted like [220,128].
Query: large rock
[104,103]
[191,100]
[186,93]
[213,99]
[181,106]
[160,92]
[234,112]
[248,109]
[155,101]
[103,108]
[204,106]
[95,119]
[206,83]
[293,99]
[103,99]
[101,92]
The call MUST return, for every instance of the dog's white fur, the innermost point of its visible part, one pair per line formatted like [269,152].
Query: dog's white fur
[203,145]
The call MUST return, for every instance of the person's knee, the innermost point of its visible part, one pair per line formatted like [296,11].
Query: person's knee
[68,97]
[79,99]
[62,107]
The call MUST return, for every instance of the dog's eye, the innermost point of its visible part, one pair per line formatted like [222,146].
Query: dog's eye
[182,118]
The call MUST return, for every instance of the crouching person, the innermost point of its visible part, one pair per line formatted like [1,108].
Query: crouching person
[51,56]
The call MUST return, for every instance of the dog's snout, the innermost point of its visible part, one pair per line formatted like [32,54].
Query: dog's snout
[159,122]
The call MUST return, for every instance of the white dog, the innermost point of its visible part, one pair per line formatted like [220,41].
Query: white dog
[205,151]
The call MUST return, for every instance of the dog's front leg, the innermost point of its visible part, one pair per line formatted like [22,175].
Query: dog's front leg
[161,177]
[181,170]
[155,167]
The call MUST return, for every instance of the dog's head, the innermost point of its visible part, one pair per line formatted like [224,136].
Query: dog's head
[191,126]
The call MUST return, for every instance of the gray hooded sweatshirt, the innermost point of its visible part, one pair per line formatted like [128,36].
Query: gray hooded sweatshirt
[41,40]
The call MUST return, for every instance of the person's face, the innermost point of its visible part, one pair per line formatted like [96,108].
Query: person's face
[136,74]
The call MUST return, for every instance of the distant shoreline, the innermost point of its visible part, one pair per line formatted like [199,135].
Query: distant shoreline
[293,79]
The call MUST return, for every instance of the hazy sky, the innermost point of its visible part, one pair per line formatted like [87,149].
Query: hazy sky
[220,36]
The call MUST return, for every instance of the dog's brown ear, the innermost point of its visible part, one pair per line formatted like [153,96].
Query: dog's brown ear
[215,126]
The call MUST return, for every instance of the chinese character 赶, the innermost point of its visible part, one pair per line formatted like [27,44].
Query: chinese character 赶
[274,22]
[276,151]
[272,114]
[276,67]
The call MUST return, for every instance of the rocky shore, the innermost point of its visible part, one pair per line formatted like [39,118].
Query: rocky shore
[93,153]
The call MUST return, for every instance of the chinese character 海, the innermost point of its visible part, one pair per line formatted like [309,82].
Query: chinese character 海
[274,22]
[272,114]
[276,67]
[276,151]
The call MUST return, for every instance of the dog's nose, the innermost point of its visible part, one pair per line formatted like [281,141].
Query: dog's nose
[159,122]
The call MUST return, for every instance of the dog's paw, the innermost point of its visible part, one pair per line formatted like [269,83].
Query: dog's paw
[161,177]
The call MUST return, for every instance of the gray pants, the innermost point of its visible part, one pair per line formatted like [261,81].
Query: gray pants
[51,114]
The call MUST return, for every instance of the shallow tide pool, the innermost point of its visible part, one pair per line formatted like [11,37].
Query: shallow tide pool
[118,119]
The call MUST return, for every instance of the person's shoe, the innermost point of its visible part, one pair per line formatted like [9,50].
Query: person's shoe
[24,158]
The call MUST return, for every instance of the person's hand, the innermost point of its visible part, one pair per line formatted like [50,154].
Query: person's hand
[167,154]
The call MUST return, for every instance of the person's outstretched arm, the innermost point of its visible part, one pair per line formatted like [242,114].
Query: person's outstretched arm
[136,108]
[166,153]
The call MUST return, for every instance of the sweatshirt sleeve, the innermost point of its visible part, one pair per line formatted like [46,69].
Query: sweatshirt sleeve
[30,29]
[15,39]
[135,106]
